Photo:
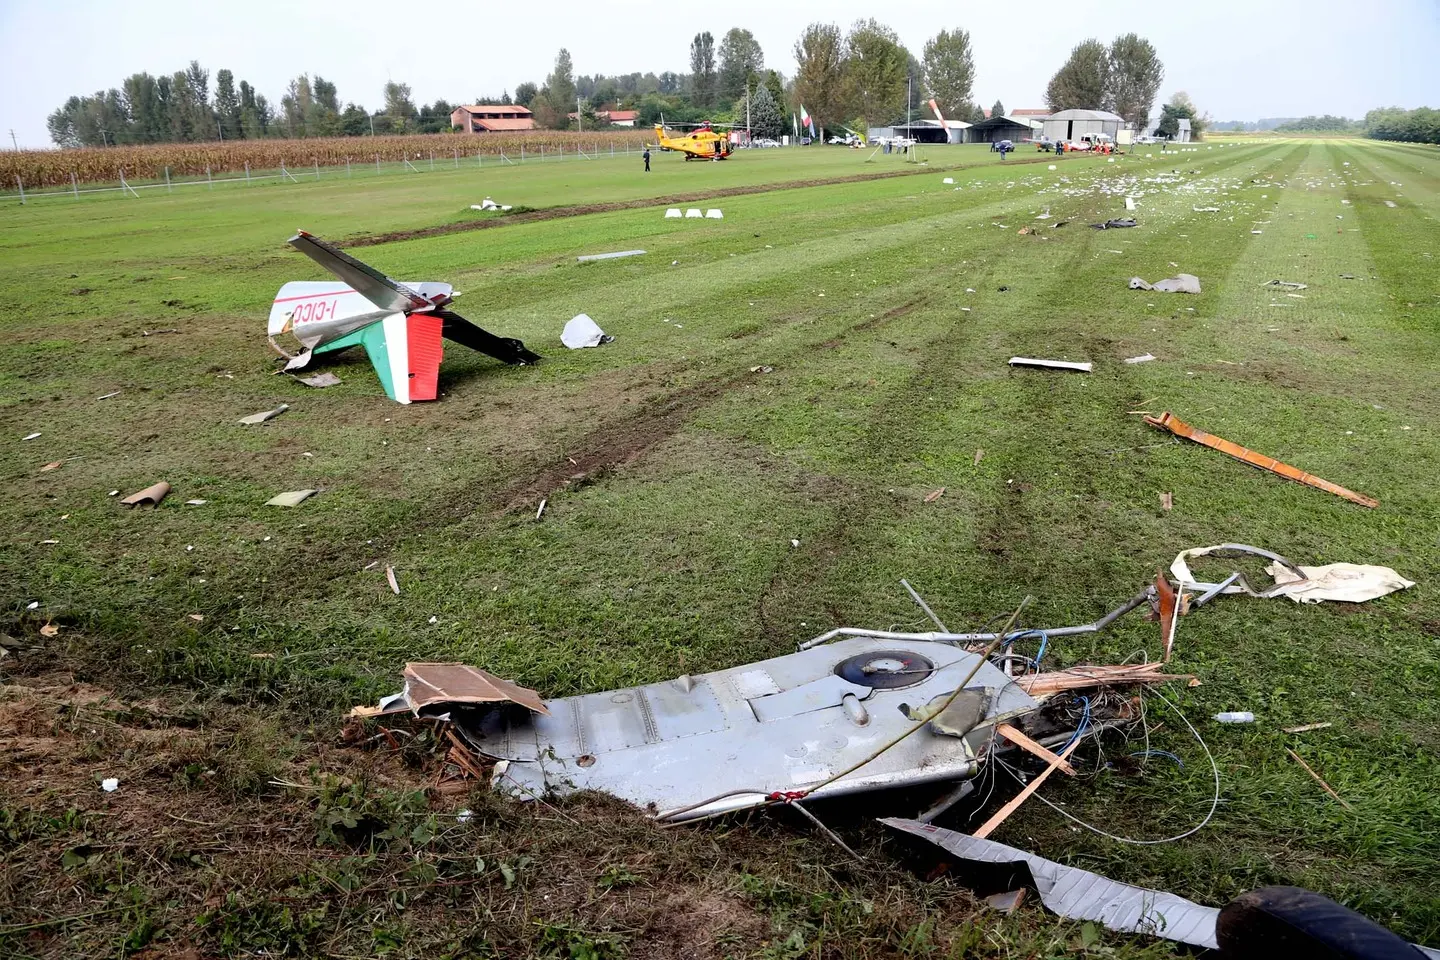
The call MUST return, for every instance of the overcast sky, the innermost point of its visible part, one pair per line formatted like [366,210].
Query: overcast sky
[1238,59]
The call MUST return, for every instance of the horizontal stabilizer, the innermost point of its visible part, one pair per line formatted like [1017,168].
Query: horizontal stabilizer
[505,349]
[370,283]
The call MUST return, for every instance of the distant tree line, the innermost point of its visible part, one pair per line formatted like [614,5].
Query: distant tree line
[1325,124]
[856,78]
[1421,125]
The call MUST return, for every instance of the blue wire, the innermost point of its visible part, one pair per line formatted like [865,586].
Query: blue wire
[1160,753]
[1080,729]
[1044,641]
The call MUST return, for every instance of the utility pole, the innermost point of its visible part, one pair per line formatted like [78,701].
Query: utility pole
[13,141]
[219,132]
[579,117]
[748,136]
[372,124]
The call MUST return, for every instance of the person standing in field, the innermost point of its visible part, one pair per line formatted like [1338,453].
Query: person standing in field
[646,155]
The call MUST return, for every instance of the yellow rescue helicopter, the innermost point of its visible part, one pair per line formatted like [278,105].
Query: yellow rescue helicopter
[701,143]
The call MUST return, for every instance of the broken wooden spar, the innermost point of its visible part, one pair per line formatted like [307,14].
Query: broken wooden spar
[1168,421]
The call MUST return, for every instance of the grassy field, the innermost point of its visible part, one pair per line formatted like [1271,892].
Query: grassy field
[205,654]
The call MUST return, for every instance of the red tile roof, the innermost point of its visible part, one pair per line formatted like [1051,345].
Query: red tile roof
[505,123]
[616,115]
[510,108]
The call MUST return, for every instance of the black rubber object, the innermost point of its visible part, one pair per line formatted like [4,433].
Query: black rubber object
[1275,923]
[913,669]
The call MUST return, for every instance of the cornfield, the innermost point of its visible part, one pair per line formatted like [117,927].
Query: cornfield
[54,168]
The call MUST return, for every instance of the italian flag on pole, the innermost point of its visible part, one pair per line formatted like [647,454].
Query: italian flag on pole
[806,121]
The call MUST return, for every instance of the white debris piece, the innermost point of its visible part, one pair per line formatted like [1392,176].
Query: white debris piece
[951,180]
[1049,364]
[292,498]
[1129,203]
[1350,582]
[582,332]
[673,213]
[110,784]
[32,436]
[610,256]
[1143,358]
[264,415]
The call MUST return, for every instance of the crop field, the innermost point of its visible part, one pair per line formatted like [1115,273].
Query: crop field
[753,461]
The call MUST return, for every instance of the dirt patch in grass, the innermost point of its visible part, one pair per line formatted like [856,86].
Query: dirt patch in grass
[616,443]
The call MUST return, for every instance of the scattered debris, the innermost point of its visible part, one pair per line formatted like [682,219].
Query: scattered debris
[1180,283]
[979,454]
[1143,358]
[1050,364]
[152,495]
[488,204]
[291,498]
[610,256]
[1284,283]
[1003,814]
[390,578]
[321,380]
[264,415]
[934,495]
[52,465]
[581,332]
[1078,894]
[950,181]
[1206,209]
[1168,421]
[1167,502]
[196,503]
[1319,779]
[540,512]
[108,395]
[1352,583]
[762,369]
[49,630]
[197,617]
[1114,223]
[1235,716]
[1129,203]
[33,436]
[1306,728]
[110,784]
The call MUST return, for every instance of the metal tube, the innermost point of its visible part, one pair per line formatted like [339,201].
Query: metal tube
[965,638]
[924,606]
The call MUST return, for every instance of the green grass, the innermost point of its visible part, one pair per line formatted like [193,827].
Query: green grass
[674,553]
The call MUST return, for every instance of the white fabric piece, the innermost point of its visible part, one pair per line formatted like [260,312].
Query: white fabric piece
[582,332]
[1180,283]
[1348,582]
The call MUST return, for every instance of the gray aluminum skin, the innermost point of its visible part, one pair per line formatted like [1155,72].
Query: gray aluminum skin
[785,724]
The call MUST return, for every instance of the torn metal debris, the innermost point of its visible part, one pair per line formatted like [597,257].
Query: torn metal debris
[1180,283]
[291,498]
[580,332]
[1050,364]
[610,256]
[1168,421]
[1115,223]
[264,415]
[1071,892]
[1347,582]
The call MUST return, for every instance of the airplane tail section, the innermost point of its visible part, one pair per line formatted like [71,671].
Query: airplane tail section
[406,352]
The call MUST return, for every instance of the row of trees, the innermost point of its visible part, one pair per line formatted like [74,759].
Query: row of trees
[1325,124]
[857,77]
[1421,125]
[179,108]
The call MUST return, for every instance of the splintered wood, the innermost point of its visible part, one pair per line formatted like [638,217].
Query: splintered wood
[1078,678]
[1168,421]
